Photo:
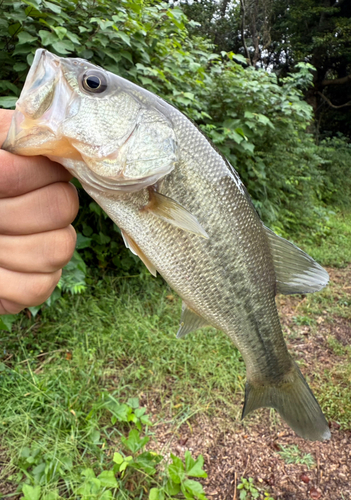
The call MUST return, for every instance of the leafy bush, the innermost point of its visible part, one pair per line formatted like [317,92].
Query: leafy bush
[260,127]
[254,120]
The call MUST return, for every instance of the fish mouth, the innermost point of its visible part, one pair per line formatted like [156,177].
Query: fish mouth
[40,109]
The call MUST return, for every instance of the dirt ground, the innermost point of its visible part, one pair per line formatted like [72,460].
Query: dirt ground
[251,448]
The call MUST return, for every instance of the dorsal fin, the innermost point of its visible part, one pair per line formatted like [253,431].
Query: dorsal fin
[133,247]
[296,272]
[169,210]
[189,321]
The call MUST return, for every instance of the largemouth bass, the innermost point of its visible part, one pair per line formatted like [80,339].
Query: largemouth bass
[183,210]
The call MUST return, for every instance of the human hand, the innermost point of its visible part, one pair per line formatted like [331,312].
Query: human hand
[37,205]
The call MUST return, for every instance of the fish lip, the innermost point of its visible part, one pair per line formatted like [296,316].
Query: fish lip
[33,116]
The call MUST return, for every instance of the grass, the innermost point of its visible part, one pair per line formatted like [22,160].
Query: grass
[61,370]
[331,244]
[119,339]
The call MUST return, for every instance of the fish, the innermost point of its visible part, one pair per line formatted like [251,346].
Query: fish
[183,210]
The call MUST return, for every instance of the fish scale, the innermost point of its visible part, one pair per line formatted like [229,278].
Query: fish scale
[184,210]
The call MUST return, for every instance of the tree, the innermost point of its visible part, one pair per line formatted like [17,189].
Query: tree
[279,34]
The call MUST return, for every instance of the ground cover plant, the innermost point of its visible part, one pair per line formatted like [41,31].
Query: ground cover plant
[259,121]
[100,400]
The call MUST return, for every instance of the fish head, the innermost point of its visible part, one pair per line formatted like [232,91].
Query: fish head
[108,132]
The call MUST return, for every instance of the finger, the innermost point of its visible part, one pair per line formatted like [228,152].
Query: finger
[29,289]
[5,120]
[9,307]
[52,207]
[22,174]
[38,253]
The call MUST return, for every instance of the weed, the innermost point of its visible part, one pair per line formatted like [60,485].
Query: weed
[292,455]
[130,472]
[248,490]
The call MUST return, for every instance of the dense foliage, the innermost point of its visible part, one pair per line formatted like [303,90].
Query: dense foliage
[259,123]
[279,34]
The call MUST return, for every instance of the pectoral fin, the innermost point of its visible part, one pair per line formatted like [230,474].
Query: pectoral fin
[169,210]
[296,272]
[189,321]
[133,247]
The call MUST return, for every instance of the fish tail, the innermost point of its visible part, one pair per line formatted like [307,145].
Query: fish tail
[295,402]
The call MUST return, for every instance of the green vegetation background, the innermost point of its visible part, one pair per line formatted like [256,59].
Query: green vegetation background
[58,425]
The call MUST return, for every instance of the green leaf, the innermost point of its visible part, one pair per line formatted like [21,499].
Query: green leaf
[60,31]
[73,37]
[117,458]
[134,443]
[133,402]
[21,49]
[82,241]
[147,462]
[7,320]
[189,461]
[8,102]
[127,55]
[20,66]
[172,488]
[14,28]
[31,11]
[31,492]
[24,37]
[52,495]
[193,487]
[30,58]
[47,37]
[243,495]
[88,473]
[107,495]
[35,309]
[156,494]
[121,412]
[123,36]
[63,47]
[176,470]
[107,479]
[94,207]
[52,6]
[238,57]
[196,469]
[95,436]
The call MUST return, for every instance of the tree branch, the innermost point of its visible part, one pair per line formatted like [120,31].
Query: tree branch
[336,81]
[247,54]
[333,105]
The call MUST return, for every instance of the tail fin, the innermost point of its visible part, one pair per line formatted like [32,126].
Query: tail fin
[295,402]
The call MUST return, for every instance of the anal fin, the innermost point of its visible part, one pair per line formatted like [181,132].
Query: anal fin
[133,247]
[189,321]
[172,212]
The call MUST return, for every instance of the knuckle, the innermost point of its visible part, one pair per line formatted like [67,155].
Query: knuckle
[9,174]
[64,244]
[9,307]
[64,202]
[41,287]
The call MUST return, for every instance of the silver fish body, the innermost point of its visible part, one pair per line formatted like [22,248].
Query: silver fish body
[183,209]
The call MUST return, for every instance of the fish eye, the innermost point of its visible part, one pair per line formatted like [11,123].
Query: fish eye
[94,81]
